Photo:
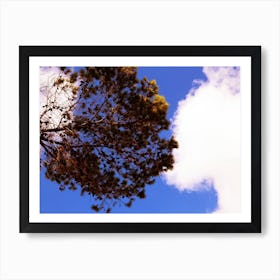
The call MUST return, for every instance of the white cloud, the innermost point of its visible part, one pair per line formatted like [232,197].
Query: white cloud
[59,97]
[207,127]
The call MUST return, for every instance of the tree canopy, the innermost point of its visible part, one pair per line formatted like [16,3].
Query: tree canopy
[100,131]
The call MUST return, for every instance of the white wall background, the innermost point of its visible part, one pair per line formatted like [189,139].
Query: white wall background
[139,256]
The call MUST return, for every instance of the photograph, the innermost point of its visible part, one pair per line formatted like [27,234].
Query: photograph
[140,137]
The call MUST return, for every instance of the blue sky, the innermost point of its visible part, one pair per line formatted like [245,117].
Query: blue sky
[174,83]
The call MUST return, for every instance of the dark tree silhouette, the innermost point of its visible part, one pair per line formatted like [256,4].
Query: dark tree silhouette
[100,132]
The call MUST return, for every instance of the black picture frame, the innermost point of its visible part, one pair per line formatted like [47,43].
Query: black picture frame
[254,52]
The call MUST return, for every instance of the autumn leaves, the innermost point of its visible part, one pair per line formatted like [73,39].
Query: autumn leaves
[110,145]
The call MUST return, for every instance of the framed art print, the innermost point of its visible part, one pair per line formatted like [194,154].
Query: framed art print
[140,138]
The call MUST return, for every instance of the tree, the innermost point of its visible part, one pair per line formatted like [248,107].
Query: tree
[100,131]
